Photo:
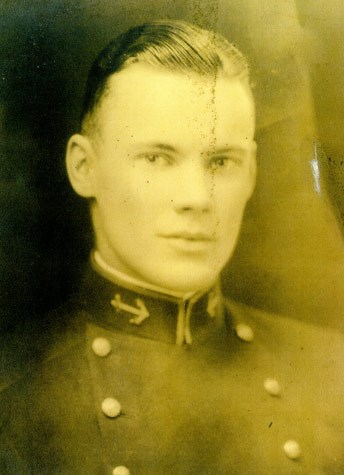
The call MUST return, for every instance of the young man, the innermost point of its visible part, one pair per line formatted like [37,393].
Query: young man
[149,370]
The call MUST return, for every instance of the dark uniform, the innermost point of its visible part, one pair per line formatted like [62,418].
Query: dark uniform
[105,389]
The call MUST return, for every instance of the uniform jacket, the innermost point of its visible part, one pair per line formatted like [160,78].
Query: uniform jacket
[242,391]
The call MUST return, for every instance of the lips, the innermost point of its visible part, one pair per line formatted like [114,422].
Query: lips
[189,236]
[190,243]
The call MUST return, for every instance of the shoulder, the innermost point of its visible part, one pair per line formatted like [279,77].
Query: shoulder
[24,347]
[291,331]
[313,355]
[43,379]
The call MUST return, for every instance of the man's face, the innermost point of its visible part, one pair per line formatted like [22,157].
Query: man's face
[174,168]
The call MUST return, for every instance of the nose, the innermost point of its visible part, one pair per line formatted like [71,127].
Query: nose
[193,188]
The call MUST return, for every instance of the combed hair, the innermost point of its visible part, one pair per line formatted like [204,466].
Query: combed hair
[173,45]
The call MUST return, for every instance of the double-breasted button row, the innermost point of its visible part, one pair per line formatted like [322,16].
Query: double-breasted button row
[245,333]
[111,407]
[291,447]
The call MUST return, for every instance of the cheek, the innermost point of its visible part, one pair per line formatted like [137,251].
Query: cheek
[113,185]
[129,202]
[231,200]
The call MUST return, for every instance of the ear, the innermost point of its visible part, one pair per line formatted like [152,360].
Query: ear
[80,158]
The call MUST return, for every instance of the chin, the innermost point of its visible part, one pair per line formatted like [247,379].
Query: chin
[187,282]
[189,276]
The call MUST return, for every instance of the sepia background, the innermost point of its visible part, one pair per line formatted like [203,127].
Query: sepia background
[290,258]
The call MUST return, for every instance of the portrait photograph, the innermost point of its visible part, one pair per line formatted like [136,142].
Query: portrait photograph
[172,237]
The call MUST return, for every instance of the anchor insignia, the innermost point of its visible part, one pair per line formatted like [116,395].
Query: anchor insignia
[140,311]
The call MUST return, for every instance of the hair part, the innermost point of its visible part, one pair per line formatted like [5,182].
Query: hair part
[173,45]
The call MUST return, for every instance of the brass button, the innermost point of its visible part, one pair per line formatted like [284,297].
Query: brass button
[272,387]
[111,407]
[120,470]
[292,449]
[101,347]
[244,332]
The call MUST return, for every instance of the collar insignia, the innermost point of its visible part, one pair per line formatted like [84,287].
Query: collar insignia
[141,313]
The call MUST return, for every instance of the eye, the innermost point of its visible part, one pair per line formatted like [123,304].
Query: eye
[219,162]
[222,162]
[156,158]
[152,157]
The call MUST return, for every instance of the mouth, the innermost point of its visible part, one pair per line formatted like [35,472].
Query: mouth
[189,236]
[190,241]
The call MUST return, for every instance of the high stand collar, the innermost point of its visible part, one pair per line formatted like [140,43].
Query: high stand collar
[121,303]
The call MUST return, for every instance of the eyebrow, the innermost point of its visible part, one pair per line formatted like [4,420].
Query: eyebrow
[157,145]
[234,148]
[170,148]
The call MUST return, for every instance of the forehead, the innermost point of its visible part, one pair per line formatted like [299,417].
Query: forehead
[145,102]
